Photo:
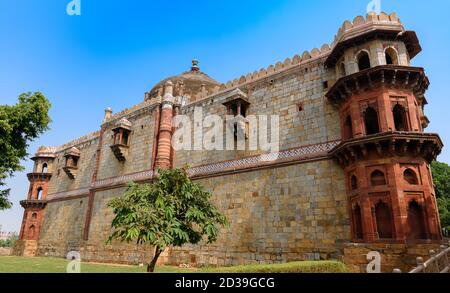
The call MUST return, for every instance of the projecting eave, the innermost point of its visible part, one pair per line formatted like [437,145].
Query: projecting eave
[427,145]
[390,76]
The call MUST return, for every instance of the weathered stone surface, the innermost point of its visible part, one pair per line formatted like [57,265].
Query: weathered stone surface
[294,208]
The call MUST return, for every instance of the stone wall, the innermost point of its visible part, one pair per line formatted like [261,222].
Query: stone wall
[296,210]
[96,248]
[60,182]
[140,151]
[282,214]
[393,256]
[281,95]
[277,215]
[62,228]
[25,248]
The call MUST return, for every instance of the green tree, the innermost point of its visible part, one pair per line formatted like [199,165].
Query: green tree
[19,125]
[10,242]
[441,178]
[171,211]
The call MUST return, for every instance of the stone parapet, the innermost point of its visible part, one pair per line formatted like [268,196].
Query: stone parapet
[393,256]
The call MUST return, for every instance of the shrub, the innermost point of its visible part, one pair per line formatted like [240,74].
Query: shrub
[10,242]
[292,267]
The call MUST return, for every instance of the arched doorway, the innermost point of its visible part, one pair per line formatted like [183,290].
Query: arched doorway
[354,182]
[383,220]
[363,60]
[44,168]
[31,232]
[416,221]
[400,118]
[342,70]
[371,121]
[391,56]
[40,192]
[357,222]
[348,128]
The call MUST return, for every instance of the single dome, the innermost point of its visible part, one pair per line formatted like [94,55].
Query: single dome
[189,83]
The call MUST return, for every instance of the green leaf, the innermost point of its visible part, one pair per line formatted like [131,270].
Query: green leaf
[164,212]
[20,124]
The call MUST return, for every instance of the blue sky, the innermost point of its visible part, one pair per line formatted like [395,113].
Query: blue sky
[116,50]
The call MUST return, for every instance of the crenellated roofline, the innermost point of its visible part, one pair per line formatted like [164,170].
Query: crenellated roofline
[373,25]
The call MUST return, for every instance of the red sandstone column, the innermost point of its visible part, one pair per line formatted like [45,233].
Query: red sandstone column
[155,138]
[412,113]
[385,112]
[165,130]
[367,219]
[176,112]
[357,120]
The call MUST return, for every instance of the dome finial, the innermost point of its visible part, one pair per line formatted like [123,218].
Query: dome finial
[195,67]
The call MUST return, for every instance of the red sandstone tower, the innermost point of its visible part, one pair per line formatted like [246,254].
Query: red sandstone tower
[384,151]
[36,201]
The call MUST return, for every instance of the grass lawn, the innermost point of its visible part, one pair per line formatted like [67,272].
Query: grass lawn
[16,264]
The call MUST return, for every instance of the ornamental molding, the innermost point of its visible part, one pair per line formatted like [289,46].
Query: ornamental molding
[286,157]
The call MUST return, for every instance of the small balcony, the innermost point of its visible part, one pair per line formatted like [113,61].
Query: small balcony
[120,144]
[33,203]
[72,157]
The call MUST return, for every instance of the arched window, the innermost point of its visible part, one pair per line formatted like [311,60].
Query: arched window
[377,178]
[416,221]
[39,193]
[363,60]
[357,221]
[342,71]
[125,138]
[391,56]
[383,220]
[348,128]
[31,232]
[44,168]
[371,121]
[33,216]
[354,182]
[400,118]
[410,177]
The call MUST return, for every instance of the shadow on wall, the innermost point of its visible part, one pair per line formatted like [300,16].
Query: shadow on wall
[64,233]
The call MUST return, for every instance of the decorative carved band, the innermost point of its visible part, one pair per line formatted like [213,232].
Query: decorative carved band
[287,156]
[66,194]
[141,176]
[302,153]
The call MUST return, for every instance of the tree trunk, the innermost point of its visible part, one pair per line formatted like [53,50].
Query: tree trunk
[151,266]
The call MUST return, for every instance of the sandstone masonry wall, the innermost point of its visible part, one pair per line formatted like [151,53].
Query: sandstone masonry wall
[289,213]
[140,151]
[281,95]
[62,228]
[61,182]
